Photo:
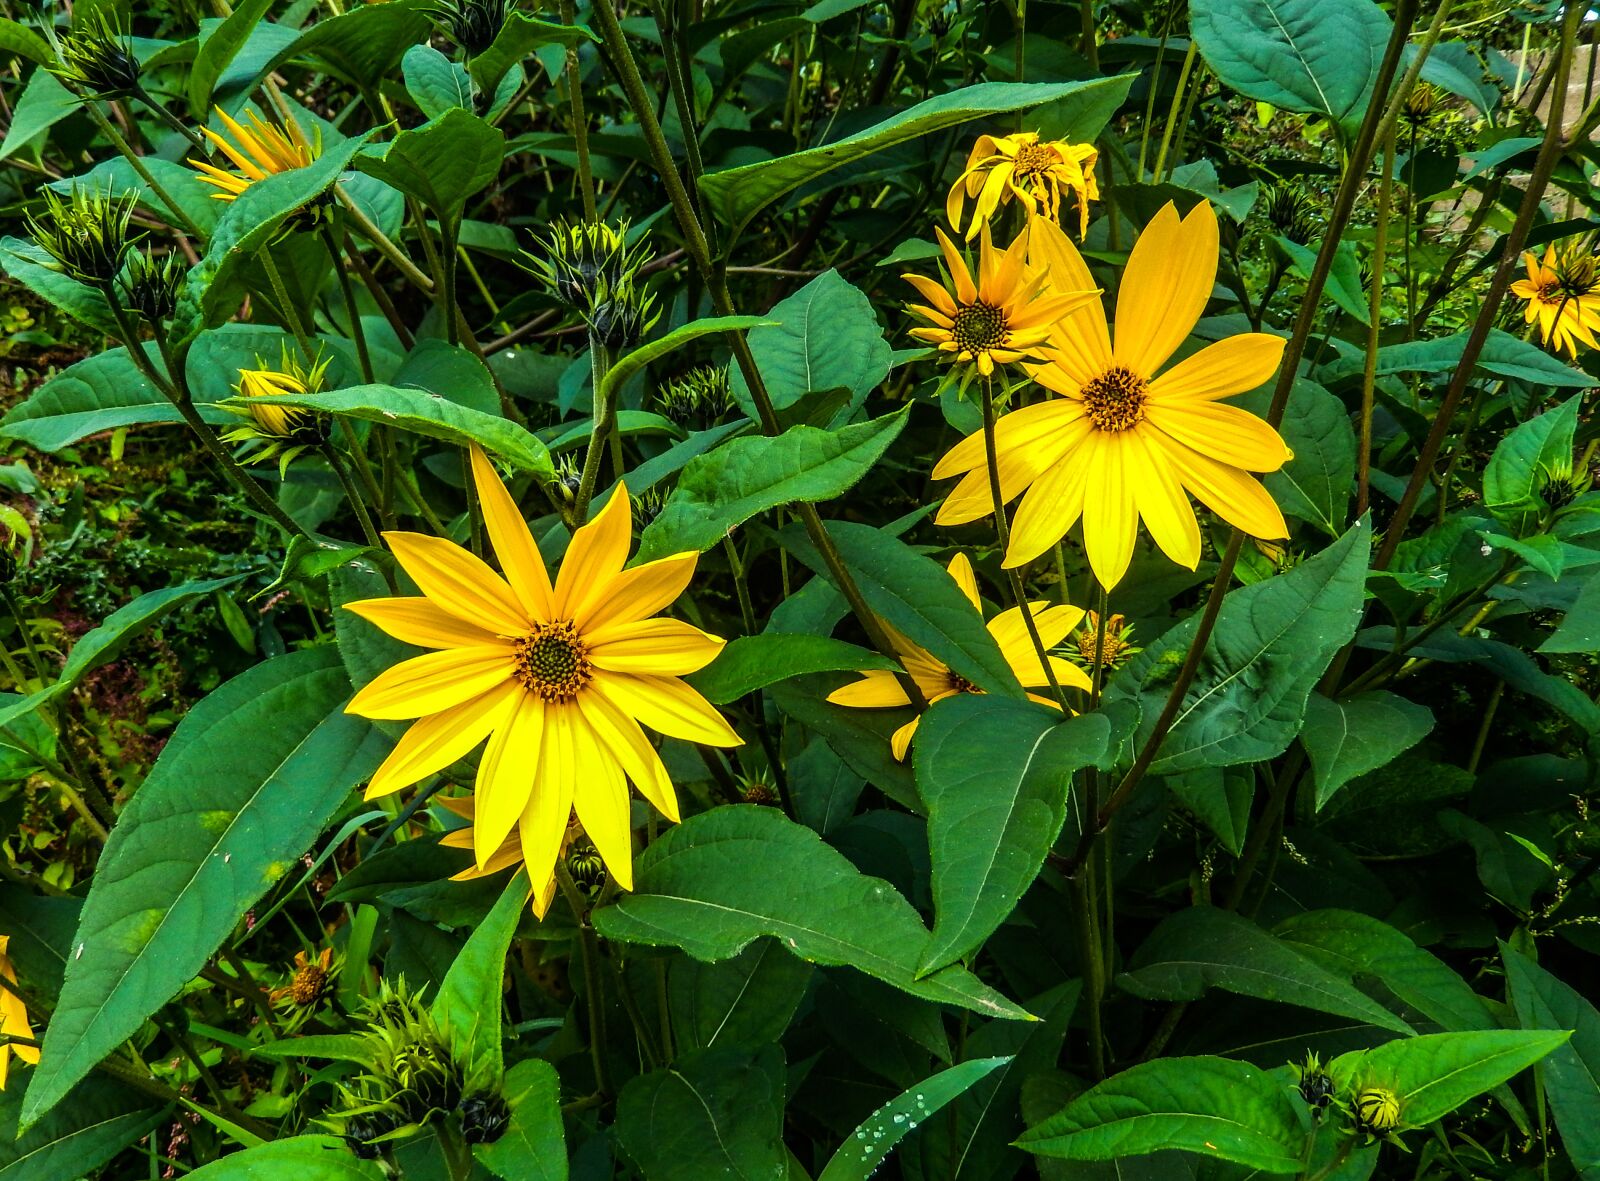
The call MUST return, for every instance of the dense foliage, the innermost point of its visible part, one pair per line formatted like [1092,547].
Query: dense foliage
[952,589]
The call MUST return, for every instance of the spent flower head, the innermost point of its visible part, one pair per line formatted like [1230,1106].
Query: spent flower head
[97,57]
[1037,172]
[86,233]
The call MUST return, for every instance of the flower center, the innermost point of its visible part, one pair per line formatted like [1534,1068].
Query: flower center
[1115,399]
[960,684]
[1034,160]
[979,327]
[552,661]
[308,985]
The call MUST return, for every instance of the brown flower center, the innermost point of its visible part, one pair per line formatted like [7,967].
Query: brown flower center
[979,327]
[1034,160]
[1115,399]
[309,984]
[552,661]
[960,684]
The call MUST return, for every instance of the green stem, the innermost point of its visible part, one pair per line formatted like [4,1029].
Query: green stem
[164,113]
[1369,373]
[347,289]
[110,131]
[286,306]
[593,999]
[365,227]
[1172,114]
[580,120]
[602,424]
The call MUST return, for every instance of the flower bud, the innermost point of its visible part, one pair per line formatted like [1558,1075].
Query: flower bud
[588,262]
[484,1119]
[86,234]
[697,398]
[471,24]
[150,284]
[98,58]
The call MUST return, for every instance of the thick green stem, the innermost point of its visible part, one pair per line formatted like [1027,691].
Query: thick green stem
[110,131]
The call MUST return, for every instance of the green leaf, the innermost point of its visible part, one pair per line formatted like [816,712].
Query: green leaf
[1360,734]
[1503,355]
[1436,1073]
[244,785]
[533,1146]
[917,597]
[1312,56]
[1357,945]
[451,372]
[181,182]
[340,1047]
[726,487]
[860,737]
[630,363]
[754,662]
[865,1151]
[1580,626]
[364,44]
[305,1158]
[1344,276]
[424,413]
[467,1005]
[724,878]
[24,42]
[518,37]
[826,337]
[745,1001]
[44,103]
[823,789]
[1314,485]
[1271,643]
[1525,460]
[1571,1072]
[100,1118]
[1220,799]
[217,49]
[35,270]
[441,163]
[712,1113]
[1204,947]
[736,195]
[99,393]
[1210,1106]
[995,775]
[434,82]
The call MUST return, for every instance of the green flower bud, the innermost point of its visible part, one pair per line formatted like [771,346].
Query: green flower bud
[98,58]
[471,24]
[86,234]
[150,284]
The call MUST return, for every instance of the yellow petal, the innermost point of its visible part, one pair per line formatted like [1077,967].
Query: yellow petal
[1053,622]
[667,706]
[1165,286]
[1026,429]
[594,558]
[932,291]
[637,593]
[660,647]
[621,735]
[1162,502]
[1235,496]
[438,740]
[543,823]
[1080,335]
[961,570]
[876,689]
[434,682]
[1230,366]
[420,621]
[1226,433]
[601,798]
[505,775]
[513,544]
[1110,525]
[1049,508]
[900,740]
[964,290]
[460,582]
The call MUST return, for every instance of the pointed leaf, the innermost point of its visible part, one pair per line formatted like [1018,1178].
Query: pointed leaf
[712,1113]
[1434,1074]
[533,1146]
[1359,734]
[467,1006]
[1572,1072]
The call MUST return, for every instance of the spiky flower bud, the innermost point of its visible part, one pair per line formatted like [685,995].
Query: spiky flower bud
[151,283]
[98,58]
[568,478]
[484,1119]
[1421,103]
[471,24]
[1290,212]
[1377,1111]
[275,430]
[1316,1087]
[86,234]
[591,268]
[621,314]
[698,397]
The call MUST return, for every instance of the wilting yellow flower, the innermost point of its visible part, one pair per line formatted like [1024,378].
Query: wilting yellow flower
[285,432]
[1001,318]
[558,678]
[1124,441]
[312,975]
[13,1017]
[1563,294]
[264,150]
[878,688]
[1112,647]
[1038,173]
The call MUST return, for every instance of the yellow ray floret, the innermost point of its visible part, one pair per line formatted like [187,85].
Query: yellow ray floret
[558,678]
[880,690]
[1129,437]
[1038,173]
[1002,317]
[263,150]
[13,1017]
[1563,294]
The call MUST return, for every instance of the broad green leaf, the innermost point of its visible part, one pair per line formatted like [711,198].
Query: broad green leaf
[441,163]
[1454,66]
[1081,116]
[1571,1072]
[1211,1106]
[103,643]
[364,44]
[1525,460]
[1357,945]
[434,82]
[1359,734]
[519,37]
[722,879]
[304,1158]
[744,1001]
[451,372]
[36,270]
[917,597]
[1580,626]
[1271,643]
[823,789]
[467,1005]
[1204,947]
[244,785]
[1313,56]
[533,1146]
[651,351]
[1344,276]
[100,1118]
[995,775]
[1315,485]
[218,46]
[428,414]
[41,932]
[712,1113]
[1220,799]
[726,487]
[100,393]
[860,737]
[340,1047]
[754,662]
[181,182]
[24,42]
[1436,1073]
[826,336]
[865,1151]
[44,103]
[738,194]
[1503,355]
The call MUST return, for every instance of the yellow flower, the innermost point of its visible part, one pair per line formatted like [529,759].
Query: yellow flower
[285,431]
[1036,173]
[264,150]
[558,678]
[1115,646]
[878,689]
[1563,294]
[1124,441]
[13,1017]
[1001,318]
